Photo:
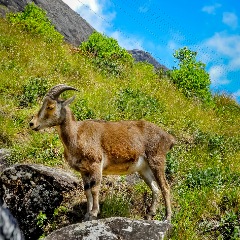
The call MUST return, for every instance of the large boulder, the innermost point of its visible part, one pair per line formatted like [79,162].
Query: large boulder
[70,24]
[113,228]
[27,190]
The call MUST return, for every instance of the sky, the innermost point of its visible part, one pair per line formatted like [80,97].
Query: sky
[209,27]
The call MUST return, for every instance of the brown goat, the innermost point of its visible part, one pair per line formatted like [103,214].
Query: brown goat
[96,148]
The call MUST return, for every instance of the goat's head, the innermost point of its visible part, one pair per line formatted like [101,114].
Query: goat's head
[53,110]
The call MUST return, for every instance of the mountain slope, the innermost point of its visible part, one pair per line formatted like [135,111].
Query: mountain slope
[70,24]
[203,168]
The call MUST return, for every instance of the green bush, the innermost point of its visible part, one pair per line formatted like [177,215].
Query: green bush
[35,88]
[191,77]
[106,54]
[34,20]
[81,110]
[198,178]
[134,104]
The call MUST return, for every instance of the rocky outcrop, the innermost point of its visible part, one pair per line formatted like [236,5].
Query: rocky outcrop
[69,23]
[113,228]
[4,154]
[28,189]
[142,56]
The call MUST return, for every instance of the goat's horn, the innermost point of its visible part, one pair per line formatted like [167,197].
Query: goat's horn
[58,89]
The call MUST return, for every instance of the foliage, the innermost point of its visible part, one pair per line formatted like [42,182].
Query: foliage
[116,205]
[210,177]
[225,104]
[41,219]
[134,104]
[191,77]
[33,90]
[33,19]
[82,111]
[106,54]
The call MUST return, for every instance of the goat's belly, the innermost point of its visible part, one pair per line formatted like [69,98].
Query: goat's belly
[124,168]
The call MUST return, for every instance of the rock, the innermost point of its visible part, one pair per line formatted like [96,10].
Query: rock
[142,56]
[28,189]
[8,226]
[4,154]
[69,23]
[113,228]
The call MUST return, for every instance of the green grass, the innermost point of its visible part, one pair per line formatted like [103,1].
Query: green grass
[203,168]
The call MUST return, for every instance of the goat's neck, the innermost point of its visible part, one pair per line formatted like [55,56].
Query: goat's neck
[67,129]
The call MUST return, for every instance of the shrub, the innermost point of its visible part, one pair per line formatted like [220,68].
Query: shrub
[82,111]
[198,178]
[34,20]
[32,91]
[191,77]
[106,54]
[134,104]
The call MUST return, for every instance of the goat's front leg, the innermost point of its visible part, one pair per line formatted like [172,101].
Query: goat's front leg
[91,187]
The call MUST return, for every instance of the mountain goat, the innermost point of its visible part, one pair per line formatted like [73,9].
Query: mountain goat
[96,148]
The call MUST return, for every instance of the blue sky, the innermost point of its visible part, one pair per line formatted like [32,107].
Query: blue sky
[212,28]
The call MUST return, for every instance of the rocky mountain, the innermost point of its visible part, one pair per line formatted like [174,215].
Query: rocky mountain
[142,56]
[70,24]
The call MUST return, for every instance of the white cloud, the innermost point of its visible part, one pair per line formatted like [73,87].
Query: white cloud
[127,42]
[230,19]
[94,12]
[98,15]
[218,75]
[228,46]
[76,4]
[222,53]
[211,9]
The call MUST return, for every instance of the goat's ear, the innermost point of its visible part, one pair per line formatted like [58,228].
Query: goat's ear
[68,101]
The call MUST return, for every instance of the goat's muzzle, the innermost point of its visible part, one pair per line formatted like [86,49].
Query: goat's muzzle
[33,127]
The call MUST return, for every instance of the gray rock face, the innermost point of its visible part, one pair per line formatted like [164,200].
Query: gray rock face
[142,56]
[70,24]
[28,189]
[113,228]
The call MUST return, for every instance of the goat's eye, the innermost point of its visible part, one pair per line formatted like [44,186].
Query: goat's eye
[51,107]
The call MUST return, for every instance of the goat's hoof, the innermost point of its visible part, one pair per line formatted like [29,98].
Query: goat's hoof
[89,217]
[149,216]
[168,219]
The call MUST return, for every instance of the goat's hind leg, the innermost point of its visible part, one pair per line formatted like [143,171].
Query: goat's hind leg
[157,164]
[151,181]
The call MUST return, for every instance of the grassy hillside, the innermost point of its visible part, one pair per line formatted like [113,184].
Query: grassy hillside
[203,168]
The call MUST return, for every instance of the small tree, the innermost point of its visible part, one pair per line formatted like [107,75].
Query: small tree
[106,54]
[191,77]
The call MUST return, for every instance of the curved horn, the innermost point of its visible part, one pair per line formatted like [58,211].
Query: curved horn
[58,89]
